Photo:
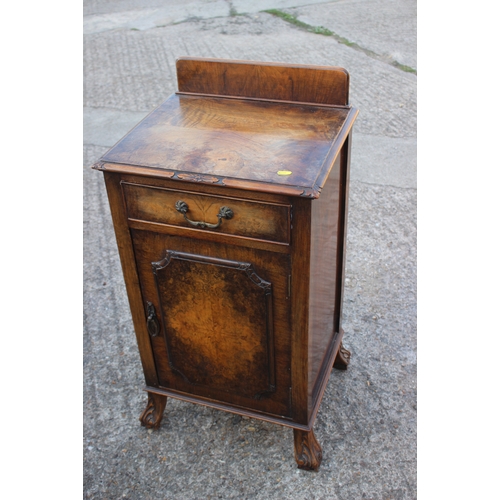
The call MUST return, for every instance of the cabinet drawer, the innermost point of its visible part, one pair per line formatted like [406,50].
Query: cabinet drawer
[251,219]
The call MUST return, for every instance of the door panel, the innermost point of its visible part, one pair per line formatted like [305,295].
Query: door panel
[223,314]
[217,317]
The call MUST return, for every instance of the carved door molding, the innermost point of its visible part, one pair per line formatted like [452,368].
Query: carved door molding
[217,318]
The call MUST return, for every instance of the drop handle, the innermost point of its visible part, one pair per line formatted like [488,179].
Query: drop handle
[224,213]
[152,321]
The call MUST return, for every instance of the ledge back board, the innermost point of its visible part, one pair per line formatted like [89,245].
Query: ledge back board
[264,80]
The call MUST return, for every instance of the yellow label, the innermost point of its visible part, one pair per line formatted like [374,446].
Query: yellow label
[284,172]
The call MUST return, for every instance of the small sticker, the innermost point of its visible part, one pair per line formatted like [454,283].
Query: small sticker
[284,172]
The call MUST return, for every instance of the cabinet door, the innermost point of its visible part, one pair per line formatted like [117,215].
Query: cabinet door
[218,319]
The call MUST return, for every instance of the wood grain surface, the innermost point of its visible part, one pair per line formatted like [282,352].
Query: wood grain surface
[323,275]
[268,221]
[211,139]
[222,337]
[267,80]
[241,311]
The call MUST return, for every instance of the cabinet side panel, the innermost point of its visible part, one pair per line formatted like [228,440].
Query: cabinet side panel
[301,244]
[343,204]
[323,272]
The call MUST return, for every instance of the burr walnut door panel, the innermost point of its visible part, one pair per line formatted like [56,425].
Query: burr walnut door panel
[218,319]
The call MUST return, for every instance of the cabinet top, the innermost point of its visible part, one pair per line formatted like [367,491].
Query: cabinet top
[250,143]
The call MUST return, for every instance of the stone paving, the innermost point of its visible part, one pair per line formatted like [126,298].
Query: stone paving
[367,420]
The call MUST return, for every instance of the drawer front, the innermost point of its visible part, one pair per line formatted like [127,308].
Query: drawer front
[251,219]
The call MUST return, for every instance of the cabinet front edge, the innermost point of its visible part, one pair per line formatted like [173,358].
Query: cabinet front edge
[212,180]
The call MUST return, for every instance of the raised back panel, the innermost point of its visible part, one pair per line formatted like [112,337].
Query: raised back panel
[264,80]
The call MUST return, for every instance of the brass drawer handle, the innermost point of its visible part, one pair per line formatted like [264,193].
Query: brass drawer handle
[152,321]
[224,213]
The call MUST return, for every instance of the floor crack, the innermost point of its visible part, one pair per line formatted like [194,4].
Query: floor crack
[320,30]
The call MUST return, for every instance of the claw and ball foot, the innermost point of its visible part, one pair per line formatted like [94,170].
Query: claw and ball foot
[308,452]
[342,359]
[152,415]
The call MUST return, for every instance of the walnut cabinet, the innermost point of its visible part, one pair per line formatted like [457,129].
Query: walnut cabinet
[229,203]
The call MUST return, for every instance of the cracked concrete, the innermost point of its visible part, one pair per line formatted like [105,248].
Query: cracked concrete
[382,26]
[109,15]
[367,420]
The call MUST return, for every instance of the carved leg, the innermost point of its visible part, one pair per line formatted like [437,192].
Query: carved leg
[342,359]
[152,415]
[308,452]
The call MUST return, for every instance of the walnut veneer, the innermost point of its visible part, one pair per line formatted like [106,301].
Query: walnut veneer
[229,203]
